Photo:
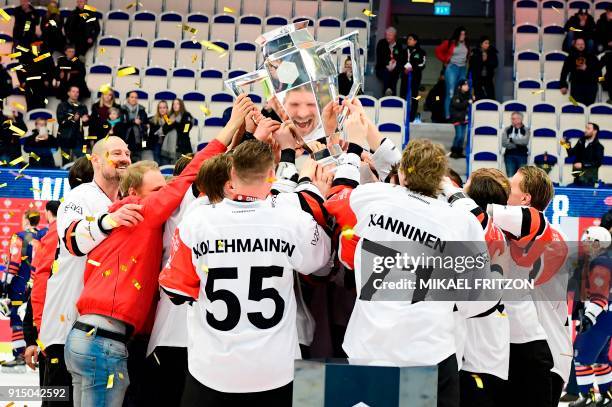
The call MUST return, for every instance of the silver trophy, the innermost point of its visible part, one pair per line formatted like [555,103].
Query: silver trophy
[299,78]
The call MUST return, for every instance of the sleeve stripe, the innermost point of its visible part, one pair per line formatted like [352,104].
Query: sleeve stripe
[313,204]
[177,295]
[70,240]
[526,222]
[346,182]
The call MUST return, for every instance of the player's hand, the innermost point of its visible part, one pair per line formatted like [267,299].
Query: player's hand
[252,120]
[356,127]
[265,128]
[284,136]
[5,307]
[128,215]
[31,356]
[323,178]
[329,115]
[578,166]
[242,106]
[587,320]
[309,169]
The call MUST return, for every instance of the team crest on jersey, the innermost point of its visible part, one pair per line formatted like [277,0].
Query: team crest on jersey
[73,207]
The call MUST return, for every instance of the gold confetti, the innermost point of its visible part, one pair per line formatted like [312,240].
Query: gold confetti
[212,46]
[91,332]
[105,89]
[271,180]
[417,98]
[601,79]
[228,10]
[186,128]
[11,404]
[573,101]
[54,361]
[136,284]
[437,98]
[84,149]
[478,381]
[90,8]
[121,375]
[204,268]
[123,267]
[18,105]
[35,189]
[17,68]
[74,59]
[205,110]
[578,30]
[90,138]
[126,71]
[167,119]
[16,303]
[107,273]
[84,15]
[186,156]
[65,155]
[101,50]
[88,156]
[110,381]
[34,50]
[129,6]
[557,10]
[91,20]
[368,13]
[55,265]
[17,160]
[53,23]
[537,92]
[14,55]
[21,48]
[194,58]
[32,78]
[410,170]
[5,15]
[90,218]
[112,222]
[93,262]
[189,29]
[347,232]
[2,40]
[43,56]
[35,156]
[3,185]
[27,25]
[38,341]
[62,318]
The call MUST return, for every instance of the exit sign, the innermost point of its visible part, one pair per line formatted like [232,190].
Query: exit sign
[442,9]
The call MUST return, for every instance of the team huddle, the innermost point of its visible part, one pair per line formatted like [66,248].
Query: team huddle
[191,292]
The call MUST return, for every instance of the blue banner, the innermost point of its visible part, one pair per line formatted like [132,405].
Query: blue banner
[53,184]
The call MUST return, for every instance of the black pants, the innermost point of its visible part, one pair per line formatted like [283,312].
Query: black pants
[56,373]
[389,79]
[167,376]
[486,391]
[196,394]
[483,88]
[529,376]
[448,382]
[140,376]
[585,93]
[556,388]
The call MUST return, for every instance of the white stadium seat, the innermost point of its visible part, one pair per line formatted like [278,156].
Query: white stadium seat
[244,56]
[605,138]
[599,8]
[484,159]
[485,138]
[170,26]
[553,62]
[280,7]
[97,76]
[178,6]
[544,140]
[223,28]
[393,132]
[210,81]
[163,53]
[552,38]
[526,12]
[257,7]
[215,60]
[124,83]
[328,28]
[274,22]
[201,23]
[144,25]
[486,113]
[154,6]
[573,6]
[392,109]
[529,91]
[154,79]
[553,95]
[249,28]
[212,127]
[193,100]
[219,102]
[190,55]
[136,52]
[360,25]
[552,12]
[234,5]
[544,115]
[182,80]
[601,114]
[109,51]
[306,8]
[370,106]
[526,37]
[572,117]
[164,95]
[117,24]
[204,7]
[605,171]
[528,65]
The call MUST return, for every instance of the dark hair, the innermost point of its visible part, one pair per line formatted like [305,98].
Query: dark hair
[181,163]
[460,84]
[81,172]
[483,39]
[127,95]
[213,175]
[488,186]
[69,46]
[33,217]
[595,126]
[52,206]
[414,36]
[455,177]
[457,33]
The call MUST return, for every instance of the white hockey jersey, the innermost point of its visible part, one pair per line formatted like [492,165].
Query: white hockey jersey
[237,260]
[79,233]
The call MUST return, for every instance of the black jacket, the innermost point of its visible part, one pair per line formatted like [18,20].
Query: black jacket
[590,156]
[20,35]
[384,53]
[417,58]
[118,130]
[589,76]
[183,144]
[9,140]
[79,29]
[434,102]
[345,83]
[459,106]
[6,82]
[135,133]
[71,72]
[483,70]
[587,31]
[51,32]
[70,131]
[39,147]
[98,126]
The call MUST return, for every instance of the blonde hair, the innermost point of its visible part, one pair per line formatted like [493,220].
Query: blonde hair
[112,103]
[423,165]
[536,183]
[157,118]
[134,175]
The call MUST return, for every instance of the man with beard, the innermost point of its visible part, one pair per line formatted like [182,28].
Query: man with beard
[584,70]
[82,224]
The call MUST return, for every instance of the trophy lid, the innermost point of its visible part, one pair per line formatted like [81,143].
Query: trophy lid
[284,37]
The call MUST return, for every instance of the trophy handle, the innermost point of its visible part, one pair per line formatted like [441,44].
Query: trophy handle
[235,85]
[350,40]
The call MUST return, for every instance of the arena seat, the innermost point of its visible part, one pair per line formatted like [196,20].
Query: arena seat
[219,102]
[136,52]
[177,6]
[6,46]
[124,83]
[212,127]
[311,22]
[552,38]
[244,56]
[605,171]
[552,12]
[599,7]
[200,22]
[572,117]
[360,25]
[249,28]
[189,55]
[210,81]
[328,28]
[154,6]
[553,95]
[486,113]
[544,140]
[182,80]
[169,26]
[528,91]
[566,172]
[281,7]
[97,76]
[164,95]
[392,109]
[155,79]
[543,115]
[574,6]
[235,5]
[214,60]
[306,8]
[275,21]
[605,138]
[528,65]
[485,138]
[370,106]
[256,7]
[393,132]
[526,37]
[223,28]
[512,106]
[163,53]
[526,12]
[484,159]
[553,161]
[204,7]
[144,25]
[193,100]
[39,114]
[332,8]
[117,24]
[109,51]
[553,62]
[601,114]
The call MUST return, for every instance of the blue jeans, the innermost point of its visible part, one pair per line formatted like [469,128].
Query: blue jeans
[513,163]
[460,130]
[91,360]
[452,75]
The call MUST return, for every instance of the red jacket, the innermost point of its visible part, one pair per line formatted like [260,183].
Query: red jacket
[444,51]
[120,279]
[42,264]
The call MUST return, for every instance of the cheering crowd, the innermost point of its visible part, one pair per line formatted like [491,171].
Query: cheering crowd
[203,290]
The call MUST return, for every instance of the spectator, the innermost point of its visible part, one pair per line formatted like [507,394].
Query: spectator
[82,28]
[26,20]
[606,62]
[584,70]
[483,62]
[414,61]
[434,102]
[454,55]
[580,25]
[10,148]
[515,139]
[72,116]
[176,128]
[459,109]
[603,30]
[81,172]
[115,125]
[156,127]
[606,220]
[588,153]
[51,29]
[40,142]
[345,79]
[387,53]
[70,71]
[36,79]
[6,85]
[98,126]
[136,125]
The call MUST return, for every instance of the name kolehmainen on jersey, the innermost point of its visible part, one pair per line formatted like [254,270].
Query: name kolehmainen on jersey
[243,246]
[455,284]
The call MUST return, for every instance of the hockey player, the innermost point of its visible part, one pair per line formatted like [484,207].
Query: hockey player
[390,330]
[16,278]
[540,342]
[242,336]
[591,346]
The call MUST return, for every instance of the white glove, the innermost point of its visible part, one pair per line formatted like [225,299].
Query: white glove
[5,308]
[21,311]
